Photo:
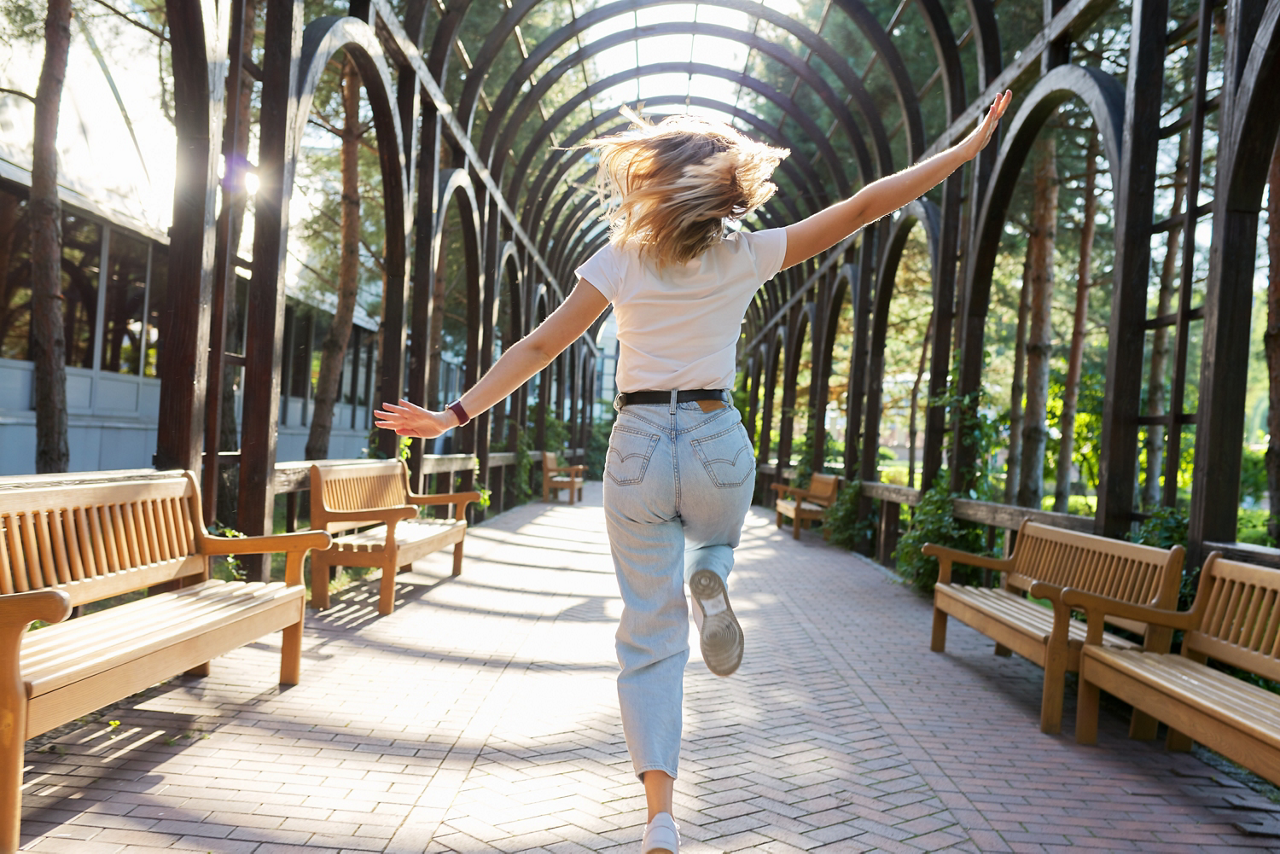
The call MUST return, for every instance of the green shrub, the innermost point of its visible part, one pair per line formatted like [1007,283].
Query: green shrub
[840,522]
[598,449]
[1165,528]
[1253,475]
[1252,526]
[932,522]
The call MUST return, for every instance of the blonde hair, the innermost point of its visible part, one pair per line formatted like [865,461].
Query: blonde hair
[671,188]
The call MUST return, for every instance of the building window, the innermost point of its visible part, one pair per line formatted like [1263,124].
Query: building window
[157,286]
[81,270]
[15,278]
[124,304]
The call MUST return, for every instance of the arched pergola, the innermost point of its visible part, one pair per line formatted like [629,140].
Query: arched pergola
[836,89]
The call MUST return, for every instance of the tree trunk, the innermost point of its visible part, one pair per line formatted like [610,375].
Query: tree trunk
[1044,225]
[1157,389]
[231,224]
[1013,459]
[334,348]
[1084,280]
[1272,346]
[48,335]
[915,404]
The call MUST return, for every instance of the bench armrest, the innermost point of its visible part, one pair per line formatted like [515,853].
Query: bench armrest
[947,556]
[577,468]
[461,499]
[1098,607]
[295,546]
[799,492]
[372,516]
[20,610]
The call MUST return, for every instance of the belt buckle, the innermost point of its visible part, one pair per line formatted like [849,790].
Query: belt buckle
[619,401]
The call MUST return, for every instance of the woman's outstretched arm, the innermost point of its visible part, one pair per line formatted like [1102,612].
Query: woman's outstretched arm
[521,361]
[881,198]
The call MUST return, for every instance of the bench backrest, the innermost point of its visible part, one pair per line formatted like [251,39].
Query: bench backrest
[549,461]
[99,538]
[1239,616]
[375,485]
[822,489]
[1131,572]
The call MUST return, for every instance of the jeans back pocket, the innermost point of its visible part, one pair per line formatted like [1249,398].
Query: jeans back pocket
[629,454]
[727,456]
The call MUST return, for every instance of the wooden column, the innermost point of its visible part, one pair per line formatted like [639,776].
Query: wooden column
[1135,193]
[199,94]
[266,302]
[1251,95]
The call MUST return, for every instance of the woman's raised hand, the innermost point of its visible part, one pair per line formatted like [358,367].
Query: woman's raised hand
[981,135]
[409,419]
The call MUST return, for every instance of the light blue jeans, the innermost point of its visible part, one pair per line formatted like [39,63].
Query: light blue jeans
[677,485]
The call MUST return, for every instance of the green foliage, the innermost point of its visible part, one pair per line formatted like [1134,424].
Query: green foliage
[1165,528]
[228,567]
[802,452]
[518,477]
[598,448]
[1253,475]
[840,523]
[1252,527]
[373,452]
[933,522]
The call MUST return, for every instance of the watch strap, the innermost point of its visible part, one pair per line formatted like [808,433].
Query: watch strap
[456,408]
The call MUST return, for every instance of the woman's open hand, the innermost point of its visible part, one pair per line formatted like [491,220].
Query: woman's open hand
[409,419]
[981,135]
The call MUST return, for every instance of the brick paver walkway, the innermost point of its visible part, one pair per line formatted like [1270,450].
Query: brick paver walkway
[482,716]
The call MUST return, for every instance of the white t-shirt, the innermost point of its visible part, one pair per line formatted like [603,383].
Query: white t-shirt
[680,329]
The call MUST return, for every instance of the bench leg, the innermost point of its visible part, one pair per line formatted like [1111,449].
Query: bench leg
[12,745]
[199,670]
[779,515]
[1179,742]
[291,653]
[319,582]
[387,590]
[1087,713]
[1055,672]
[795,526]
[1003,651]
[1143,727]
[939,641]
[457,558]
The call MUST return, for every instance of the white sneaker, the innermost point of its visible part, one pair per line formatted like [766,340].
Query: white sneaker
[661,836]
[718,629]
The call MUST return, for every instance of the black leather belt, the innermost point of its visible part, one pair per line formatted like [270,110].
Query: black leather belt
[664,397]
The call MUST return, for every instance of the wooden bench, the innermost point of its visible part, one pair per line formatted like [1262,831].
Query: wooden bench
[1235,620]
[1045,561]
[371,507]
[66,540]
[556,477]
[805,505]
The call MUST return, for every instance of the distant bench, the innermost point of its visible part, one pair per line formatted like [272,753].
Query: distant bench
[1045,561]
[803,506]
[375,515]
[66,540]
[1234,620]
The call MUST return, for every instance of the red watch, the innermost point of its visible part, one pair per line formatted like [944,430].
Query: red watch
[456,409]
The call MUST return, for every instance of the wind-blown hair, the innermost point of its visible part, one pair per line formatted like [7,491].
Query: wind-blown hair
[672,188]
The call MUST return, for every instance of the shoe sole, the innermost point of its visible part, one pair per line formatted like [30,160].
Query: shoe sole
[721,635]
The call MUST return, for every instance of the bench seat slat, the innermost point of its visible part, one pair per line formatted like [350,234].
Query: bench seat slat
[43,650]
[1016,611]
[185,614]
[1234,702]
[101,687]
